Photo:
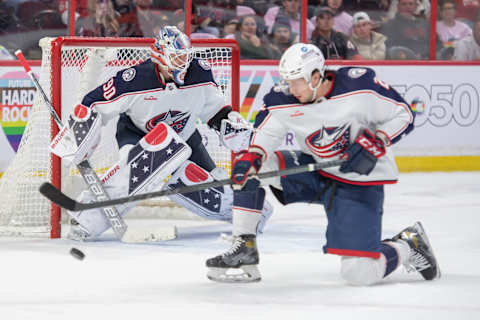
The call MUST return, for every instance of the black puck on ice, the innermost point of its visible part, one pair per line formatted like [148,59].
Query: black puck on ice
[77,253]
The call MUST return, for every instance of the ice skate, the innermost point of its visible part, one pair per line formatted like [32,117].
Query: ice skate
[239,264]
[422,258]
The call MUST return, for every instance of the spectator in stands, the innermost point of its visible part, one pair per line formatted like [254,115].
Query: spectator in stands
[229,29]
[467,10]
[407,30]
[211,17]
[291,10]
[106,24]
[370,44]
[141,21]
[334,44]
[40,15]
[377,10]
[449,29]
[342,21]
[422,9]
[260,6]
[282,38]
[123,6]
[468,49]
[366,5]
[252,44]
[8,20]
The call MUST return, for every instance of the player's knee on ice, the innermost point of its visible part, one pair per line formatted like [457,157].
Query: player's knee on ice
[360,271]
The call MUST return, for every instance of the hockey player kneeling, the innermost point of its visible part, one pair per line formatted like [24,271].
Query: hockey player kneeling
[345,114]
[157,104]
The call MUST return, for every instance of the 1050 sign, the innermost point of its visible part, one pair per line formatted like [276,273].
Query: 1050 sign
[444,103]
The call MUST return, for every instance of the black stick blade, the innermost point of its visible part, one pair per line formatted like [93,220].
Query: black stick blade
[49,191]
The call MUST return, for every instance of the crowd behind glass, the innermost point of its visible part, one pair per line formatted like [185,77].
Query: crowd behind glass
[348,29]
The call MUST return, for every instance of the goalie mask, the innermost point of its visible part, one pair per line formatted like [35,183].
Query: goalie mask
[173,52]
[300,61]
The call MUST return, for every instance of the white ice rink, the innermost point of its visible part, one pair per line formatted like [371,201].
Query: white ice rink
[41,281]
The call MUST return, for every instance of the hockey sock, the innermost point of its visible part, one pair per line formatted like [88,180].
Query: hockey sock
[395,253]
[247,210]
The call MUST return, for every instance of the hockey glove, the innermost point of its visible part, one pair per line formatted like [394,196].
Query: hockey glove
[245,163]
[361,156]
[235,132]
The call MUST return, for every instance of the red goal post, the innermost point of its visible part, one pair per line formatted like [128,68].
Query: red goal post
[72,66]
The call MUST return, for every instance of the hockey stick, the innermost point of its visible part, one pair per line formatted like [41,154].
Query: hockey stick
[86,171]
[56,196]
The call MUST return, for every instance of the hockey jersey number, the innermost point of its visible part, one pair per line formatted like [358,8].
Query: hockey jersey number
[109,89]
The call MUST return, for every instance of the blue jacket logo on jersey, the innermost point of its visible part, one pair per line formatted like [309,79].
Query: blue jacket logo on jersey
[129,74]
[175,119]
[329,142]
[356,72]
[204,64]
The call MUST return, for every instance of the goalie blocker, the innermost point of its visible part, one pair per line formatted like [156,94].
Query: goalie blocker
[77,140]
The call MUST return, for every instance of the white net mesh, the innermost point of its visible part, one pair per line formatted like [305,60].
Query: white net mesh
[23,211]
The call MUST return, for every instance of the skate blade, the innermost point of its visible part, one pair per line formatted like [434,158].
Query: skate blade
[244,274]
[418,225]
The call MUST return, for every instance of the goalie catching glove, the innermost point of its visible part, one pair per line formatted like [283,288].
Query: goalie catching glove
[362,155]
[245,163]
[78,139]
[235,132]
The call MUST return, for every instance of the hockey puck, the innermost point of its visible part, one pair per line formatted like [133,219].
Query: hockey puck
[77,253]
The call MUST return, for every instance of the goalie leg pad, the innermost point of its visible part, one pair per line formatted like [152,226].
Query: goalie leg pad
[92,223]
[212,203]
[142,168]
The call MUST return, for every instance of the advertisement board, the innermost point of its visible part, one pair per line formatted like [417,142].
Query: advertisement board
[17,94]
[447,122]
[447,113]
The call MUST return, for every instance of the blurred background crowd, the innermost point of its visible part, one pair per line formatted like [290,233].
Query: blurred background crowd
[342,29]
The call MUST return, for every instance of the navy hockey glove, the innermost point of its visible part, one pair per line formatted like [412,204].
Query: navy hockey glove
[245,163]
[361,156]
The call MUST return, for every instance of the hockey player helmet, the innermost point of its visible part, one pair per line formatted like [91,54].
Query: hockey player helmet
[300,61]
[173,52]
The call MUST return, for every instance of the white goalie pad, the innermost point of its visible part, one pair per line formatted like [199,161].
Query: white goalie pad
[213,203]
[142,168]
[77,140]
[235,132]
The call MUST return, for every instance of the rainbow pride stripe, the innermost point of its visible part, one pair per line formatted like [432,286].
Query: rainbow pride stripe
[14,124]
[255,83]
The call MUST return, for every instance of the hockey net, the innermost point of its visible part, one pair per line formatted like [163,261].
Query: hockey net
[71,67]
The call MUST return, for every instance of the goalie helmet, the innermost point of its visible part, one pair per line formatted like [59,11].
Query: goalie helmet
[300,61]
[173,52]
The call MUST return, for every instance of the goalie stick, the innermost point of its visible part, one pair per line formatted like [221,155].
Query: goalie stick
[61,199]
[93,181]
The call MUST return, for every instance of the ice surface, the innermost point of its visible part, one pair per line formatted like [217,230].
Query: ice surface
[40,280]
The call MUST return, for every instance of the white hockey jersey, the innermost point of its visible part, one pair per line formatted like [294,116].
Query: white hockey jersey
[141,93]
[356,101]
